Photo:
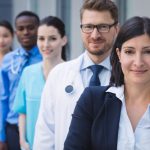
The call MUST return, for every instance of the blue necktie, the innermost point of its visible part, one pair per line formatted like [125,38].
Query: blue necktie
[24,61]
[96,69]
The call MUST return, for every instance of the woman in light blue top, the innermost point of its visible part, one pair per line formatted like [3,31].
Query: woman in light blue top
[51,41]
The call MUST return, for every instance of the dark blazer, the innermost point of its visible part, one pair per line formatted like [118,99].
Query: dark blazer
[95,121]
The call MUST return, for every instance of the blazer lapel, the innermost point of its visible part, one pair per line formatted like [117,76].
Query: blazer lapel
[106,124]
[112,109]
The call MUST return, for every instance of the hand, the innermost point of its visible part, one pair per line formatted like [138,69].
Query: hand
[3,146]
[25,146]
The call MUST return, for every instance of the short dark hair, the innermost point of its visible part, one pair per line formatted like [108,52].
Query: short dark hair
[132,28]
[100,5]
[28,13]
[6,24]
[59,25]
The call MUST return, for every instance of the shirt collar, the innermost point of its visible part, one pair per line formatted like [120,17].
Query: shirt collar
[118,91]
[31,52]
[88,62]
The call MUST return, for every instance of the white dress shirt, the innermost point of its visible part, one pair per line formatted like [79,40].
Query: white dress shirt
[86,73]
[127,138]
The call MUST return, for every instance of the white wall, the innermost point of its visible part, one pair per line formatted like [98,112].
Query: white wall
[76,42]
[138,7]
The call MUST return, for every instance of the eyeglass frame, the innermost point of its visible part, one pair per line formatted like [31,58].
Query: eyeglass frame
[98,27]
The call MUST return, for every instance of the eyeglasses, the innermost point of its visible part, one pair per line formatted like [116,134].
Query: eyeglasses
[88,28]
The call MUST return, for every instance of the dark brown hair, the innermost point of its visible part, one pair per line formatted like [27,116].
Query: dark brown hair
[100,5]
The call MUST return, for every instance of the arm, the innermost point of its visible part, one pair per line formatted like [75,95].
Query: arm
[3,146]
[3,107]
[79,136]
[3,114]
[19,106]
[4,94]
[22,132]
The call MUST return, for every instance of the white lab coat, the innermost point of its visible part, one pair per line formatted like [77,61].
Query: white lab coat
[57,105]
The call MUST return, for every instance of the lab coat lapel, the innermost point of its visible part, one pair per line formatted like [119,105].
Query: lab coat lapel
[75,78]
[78,78]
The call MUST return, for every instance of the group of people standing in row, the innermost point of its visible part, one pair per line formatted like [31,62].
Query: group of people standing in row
[98,101]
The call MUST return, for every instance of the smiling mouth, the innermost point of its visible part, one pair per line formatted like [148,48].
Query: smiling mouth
[139,71]
[47,51]
[26,39]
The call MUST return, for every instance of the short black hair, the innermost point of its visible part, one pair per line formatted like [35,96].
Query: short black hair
[28,13]
[6,24]
[132,28]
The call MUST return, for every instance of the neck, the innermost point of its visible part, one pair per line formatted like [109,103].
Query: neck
[137,93]
[49,64]
[28,48]
[1,57]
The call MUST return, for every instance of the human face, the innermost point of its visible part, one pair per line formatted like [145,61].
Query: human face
[50,42]
[6,39]
[98,44]
[135,60]
[26,31]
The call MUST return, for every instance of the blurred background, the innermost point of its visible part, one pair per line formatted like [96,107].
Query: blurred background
[69,12]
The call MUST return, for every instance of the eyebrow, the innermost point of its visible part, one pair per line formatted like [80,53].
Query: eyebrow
[128,47]
[146,47]
[134,47]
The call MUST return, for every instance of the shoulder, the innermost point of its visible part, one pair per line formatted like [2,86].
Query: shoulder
[93,98]
[96,91]
[8,58]
[68,66]
[10,54]
[32,69]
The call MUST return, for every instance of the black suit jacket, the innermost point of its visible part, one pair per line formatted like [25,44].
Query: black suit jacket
[95,121]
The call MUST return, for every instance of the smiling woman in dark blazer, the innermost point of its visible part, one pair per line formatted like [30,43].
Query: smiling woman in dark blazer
[117,117]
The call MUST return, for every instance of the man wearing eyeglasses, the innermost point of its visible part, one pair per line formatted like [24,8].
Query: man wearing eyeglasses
[66,82]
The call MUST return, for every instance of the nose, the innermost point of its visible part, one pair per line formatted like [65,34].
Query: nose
[95,34]
[1,40]
[138,60]
[25,31]
[46,43]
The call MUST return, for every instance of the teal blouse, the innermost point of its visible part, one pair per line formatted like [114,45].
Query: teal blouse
[28,96]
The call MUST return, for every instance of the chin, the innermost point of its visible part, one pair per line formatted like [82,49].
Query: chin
[97,52]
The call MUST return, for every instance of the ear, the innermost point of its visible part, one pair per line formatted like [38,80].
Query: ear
[117,28]
[64,40]
[118,53]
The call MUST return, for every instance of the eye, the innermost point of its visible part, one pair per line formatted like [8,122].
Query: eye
[87,27]
[52,38]
[128,51]
[147,51]
[31,27]
[103,27]
[5,35]
[40,38]
[20,28]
